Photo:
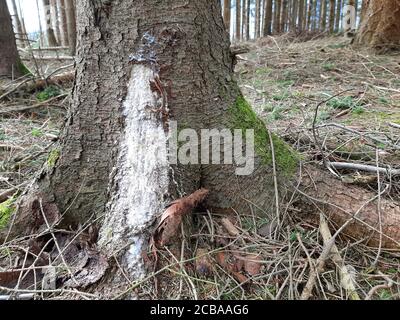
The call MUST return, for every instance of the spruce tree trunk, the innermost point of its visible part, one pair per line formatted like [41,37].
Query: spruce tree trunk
[227,15]
[18,24]
[284,15]
[278,10]
[10,63]
[243,24]
[294,14]
[131,84]
[380,27]
[332,7]
[248,4]
[50,35]
[323,15]
[54,12]
[258,19]
[63,23]
[301,15]
[309,15]
[338,15]
[267,30]
[238,22]
[71,25]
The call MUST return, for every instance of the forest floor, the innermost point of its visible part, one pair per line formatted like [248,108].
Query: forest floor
[288,82]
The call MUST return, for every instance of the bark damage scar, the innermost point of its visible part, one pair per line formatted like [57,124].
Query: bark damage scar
[142,171]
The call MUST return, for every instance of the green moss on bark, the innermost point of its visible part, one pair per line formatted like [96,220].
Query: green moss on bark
[53,157]
[245,118]
[6,210]
[23,69]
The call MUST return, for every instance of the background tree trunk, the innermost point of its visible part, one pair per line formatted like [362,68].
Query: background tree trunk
[323,15]
[238,22]
[55,20]
[284,15]
[243,24]
[332,7]
[227,15]
[380,28]
[248,7]
[18,24]
[301,15]
[338,15]
[267,30]
[294,15]
[309,15]
[63,23]
[278,10]
[50,35]
[71,25]
[257,23]
[10,63]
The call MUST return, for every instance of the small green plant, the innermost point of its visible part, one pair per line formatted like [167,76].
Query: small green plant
[49,92]
[383,100]
[53,157]
[328,66]
[6,210]
[358,110]
[37,133]
[277,114]
[280,96]
[342,103]
[385,295]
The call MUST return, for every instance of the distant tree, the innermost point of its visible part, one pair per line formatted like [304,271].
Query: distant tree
[284,15]
[227,15]
[294,14]
[267,29]
[18,24]
[50,35]
[315,24]
[338,15]
[332,7]
[323,15]
[10,62]
[54,12]
[71,25]
[257,24]
[277,16]
[380,27]
[301,15]
[248,7]
[63,23]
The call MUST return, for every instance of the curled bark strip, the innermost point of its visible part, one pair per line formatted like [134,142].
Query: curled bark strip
[172,217]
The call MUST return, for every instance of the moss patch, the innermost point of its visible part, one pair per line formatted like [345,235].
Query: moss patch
[245,118]
[53,157]
[23,69]
[6,210]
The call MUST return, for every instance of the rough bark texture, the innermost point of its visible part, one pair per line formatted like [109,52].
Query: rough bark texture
[10,63]
[71,25]
[227,15]
[380,27]
[130,84]
[63,23]
[50,35]
[343,202]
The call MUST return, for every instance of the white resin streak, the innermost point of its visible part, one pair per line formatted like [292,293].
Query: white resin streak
[141,180]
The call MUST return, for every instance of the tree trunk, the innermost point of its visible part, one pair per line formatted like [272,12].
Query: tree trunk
[294,15]
[54,12]
[301,15]
[248,7]
[18,24]
[10,63]
[338,15]
[309,15]
[63,23]
[258,19]
[284,15]
[278,10]
[50,35]
[227,15]
[238,21]
[130,88]
[71,25]
[380,28]
[332,4]
[243,24]
[267,30]
[314,15]
[323,15]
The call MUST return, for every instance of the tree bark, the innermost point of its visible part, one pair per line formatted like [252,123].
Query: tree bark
[63,23]
[338,15]
[243,24]
[54,12]
[267,30]
[309,15]
[238,21]
[284,16]
[227,15]
[294,15]
[71,25]
[278,8]
[332,7]
[380,27]
[248,20]
[18,23]
[10,63]
[50,35]
[323,15]
[257,22]
[301,15]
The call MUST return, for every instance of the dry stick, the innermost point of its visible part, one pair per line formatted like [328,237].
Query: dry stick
[38,105]
[325,252]
[275,183]
[387,285]
[314,131]
[364,167]
[338,260]
[15,88]
[379,209]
